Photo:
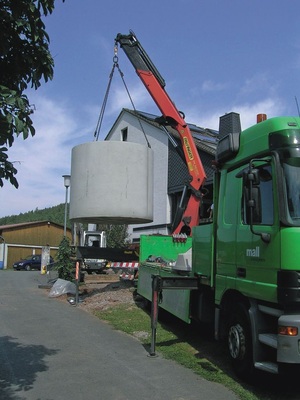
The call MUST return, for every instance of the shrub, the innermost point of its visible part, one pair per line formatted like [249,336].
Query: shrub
[64,264]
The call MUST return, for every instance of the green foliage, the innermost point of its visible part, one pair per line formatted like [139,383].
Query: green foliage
[116,235]
[54,214]
[25,60]
[7,170]
[64,264]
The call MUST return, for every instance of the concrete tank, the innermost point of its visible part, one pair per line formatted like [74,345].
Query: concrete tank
[111,183]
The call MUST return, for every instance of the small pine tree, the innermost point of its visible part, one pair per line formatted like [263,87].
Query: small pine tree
[64,265]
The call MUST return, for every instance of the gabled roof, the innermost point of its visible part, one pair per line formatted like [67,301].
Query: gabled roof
[24,224]
[205,139]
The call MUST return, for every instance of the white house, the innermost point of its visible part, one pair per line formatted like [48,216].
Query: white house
[170,171]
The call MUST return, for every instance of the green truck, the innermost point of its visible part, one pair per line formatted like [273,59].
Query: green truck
[241,270]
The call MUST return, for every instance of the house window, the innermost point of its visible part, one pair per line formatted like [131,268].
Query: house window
[124,135]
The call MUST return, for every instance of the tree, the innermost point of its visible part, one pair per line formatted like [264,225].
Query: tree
[25,60]
[117,235]
[64,264]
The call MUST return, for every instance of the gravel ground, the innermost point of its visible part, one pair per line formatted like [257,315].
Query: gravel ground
[105,295]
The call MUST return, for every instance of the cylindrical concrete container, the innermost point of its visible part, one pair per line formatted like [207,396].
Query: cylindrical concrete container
[111,183]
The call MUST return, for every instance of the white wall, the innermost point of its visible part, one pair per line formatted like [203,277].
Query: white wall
[159,144]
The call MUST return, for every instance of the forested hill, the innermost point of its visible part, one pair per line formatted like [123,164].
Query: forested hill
[54,214]
[117,235]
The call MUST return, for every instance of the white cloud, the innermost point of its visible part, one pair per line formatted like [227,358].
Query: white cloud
[248,112]
[210,86]
[120,98]
[117,100]
[41,160]
[259,83]
[270,106]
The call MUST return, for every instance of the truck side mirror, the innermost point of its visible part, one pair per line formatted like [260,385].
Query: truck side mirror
[253,205]
[252,197]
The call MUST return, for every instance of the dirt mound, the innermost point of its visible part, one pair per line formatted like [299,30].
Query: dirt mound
[104,296]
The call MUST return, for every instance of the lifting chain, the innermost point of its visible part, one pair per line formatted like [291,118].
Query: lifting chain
[101,115]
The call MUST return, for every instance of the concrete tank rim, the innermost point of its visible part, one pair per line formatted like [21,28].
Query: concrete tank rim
[112,143]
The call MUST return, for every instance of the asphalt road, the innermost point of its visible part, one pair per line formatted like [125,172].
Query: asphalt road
[50,350]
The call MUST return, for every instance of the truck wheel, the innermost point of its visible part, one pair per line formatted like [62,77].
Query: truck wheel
[240,343]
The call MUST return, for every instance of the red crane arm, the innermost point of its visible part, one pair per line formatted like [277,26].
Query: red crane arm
[169,111]
[154,83]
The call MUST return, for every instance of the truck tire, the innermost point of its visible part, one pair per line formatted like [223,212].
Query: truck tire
[240,343]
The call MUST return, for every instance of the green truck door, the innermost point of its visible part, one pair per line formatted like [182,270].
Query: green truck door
[244,261]
[258,261]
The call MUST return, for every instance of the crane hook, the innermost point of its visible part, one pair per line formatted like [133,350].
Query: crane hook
[115,58]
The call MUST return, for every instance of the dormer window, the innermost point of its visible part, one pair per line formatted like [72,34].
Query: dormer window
[124,135]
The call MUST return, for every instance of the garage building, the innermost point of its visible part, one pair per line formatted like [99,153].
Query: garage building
[18,241]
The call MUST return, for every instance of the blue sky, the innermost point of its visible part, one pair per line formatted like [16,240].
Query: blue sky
[216,56]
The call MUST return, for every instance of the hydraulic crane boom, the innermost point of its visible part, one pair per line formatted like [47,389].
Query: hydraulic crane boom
[155,84]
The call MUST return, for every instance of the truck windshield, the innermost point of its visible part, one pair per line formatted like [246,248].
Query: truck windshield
[291,169]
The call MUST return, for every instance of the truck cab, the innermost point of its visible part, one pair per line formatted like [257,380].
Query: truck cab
[254,264]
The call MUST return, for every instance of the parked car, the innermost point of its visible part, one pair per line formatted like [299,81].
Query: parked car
[30,262]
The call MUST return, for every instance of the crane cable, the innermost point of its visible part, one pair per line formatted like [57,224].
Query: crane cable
[101,115]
